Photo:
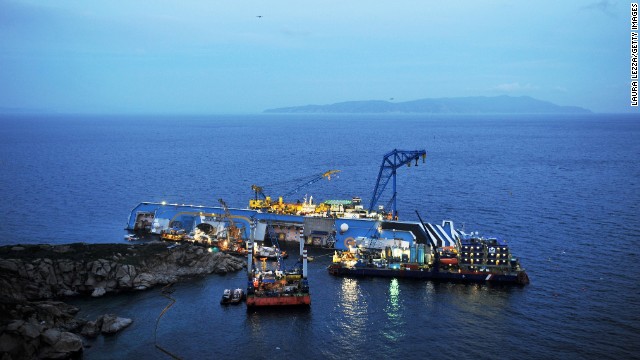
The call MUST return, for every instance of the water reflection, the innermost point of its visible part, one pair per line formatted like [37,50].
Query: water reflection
[393,304]
[393,330]
[353,306]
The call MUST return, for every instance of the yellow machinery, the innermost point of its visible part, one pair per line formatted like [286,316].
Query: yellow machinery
[265,203]
[259,204]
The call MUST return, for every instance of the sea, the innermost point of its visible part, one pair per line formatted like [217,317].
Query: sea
[562,190]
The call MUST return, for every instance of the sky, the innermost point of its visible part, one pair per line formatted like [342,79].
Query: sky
[241,57]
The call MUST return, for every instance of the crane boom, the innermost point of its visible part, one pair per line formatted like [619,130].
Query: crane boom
[311,180]
[227,214]
[263,202]
[258,191]
[390,163]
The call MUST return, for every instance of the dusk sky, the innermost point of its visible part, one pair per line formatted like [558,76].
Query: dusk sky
[213,57]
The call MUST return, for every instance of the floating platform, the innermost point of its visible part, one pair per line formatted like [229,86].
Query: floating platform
[276,287]
[278,300]
[517,278]
[471,259]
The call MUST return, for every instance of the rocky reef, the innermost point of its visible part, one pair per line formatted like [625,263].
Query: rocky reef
[33,325]
[49,330]
[45,271]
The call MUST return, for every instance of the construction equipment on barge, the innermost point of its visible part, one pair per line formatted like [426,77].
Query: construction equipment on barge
[264,203]
[471,259]
[276,286]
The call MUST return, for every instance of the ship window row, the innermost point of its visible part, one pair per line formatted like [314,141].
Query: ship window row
[480,247]
[472,254]
[482,254]
[489,254]
[491,261]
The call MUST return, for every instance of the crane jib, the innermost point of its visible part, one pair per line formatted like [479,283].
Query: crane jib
[390,163]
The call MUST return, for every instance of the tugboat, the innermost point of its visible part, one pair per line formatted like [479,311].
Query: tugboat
[472,260]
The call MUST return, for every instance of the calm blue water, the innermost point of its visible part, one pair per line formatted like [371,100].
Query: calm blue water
[562,190]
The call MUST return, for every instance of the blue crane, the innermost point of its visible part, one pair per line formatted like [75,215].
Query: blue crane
[390,164]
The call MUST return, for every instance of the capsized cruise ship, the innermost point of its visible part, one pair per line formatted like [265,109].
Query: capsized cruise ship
[343,225]
[213,222]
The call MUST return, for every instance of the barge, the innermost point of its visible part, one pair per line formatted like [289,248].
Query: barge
[471,259]
[434,273]
[276,287]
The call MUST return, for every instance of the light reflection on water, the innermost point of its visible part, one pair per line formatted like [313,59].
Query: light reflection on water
[393,305]
[353,305]
[394,328]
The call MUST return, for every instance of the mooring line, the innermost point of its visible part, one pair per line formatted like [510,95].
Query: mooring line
[166,292]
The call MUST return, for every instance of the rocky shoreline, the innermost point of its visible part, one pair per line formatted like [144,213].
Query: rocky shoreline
[34,323]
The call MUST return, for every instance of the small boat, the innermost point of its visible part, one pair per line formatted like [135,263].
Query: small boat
[237,296]
[131,237]
[270,253]
[226,297]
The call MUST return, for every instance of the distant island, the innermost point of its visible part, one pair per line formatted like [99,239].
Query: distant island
[459,105]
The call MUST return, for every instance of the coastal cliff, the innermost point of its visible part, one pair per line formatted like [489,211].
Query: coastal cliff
[35,324]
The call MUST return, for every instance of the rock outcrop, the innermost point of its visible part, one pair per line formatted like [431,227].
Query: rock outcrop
[111,324]
[43,271]
[49,330]
[31,329]
[39,330]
